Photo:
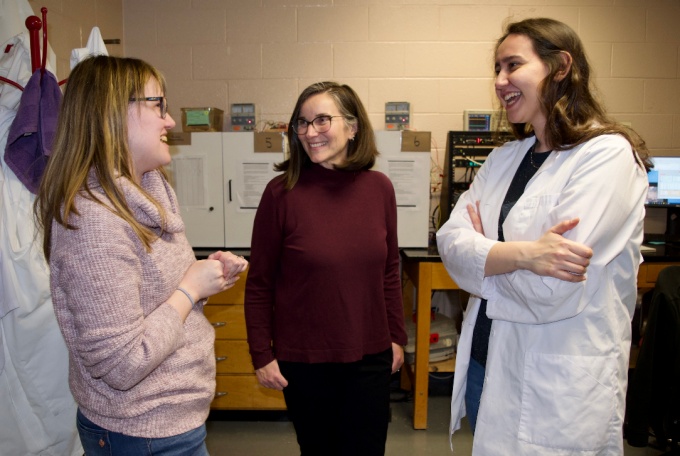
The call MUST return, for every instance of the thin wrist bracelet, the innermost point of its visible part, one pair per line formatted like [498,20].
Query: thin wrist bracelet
[186,293]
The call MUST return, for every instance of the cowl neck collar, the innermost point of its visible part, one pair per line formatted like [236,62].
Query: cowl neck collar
[143,209]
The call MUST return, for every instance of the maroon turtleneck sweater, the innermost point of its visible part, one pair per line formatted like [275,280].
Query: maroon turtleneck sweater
[324,282]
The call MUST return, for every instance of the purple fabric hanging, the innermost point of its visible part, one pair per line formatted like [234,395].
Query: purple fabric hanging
[32,132]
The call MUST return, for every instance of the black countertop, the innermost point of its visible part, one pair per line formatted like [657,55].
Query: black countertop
[662,253]
[203,252]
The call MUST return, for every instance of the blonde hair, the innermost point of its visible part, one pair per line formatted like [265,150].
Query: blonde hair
[92,137]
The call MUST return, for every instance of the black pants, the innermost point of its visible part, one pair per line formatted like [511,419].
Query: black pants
[340,408]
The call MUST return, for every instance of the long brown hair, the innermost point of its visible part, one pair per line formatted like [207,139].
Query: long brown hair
[92,137]
[573,114]
[361,152]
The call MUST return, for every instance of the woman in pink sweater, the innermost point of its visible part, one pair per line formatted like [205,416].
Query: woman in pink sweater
[127,290]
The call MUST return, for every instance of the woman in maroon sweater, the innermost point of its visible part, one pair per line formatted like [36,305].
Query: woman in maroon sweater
[323,296]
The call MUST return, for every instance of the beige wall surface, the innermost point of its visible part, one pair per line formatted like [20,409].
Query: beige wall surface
[435,54]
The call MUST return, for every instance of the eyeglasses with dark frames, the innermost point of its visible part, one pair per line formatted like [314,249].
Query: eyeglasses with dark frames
[320,123]
[163,103]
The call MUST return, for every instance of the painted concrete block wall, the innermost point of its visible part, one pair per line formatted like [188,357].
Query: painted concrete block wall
[435,54]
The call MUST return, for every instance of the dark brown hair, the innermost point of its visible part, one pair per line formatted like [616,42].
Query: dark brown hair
[361,152]
[573,114]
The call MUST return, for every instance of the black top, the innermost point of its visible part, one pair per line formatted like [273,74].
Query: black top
[526,170]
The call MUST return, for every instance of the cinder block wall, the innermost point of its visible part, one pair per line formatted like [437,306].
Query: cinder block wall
[435,54]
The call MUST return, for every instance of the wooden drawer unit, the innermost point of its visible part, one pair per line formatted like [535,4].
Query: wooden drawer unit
[233,357]
[234,295]
[243,392]
[237,386]
[229,321]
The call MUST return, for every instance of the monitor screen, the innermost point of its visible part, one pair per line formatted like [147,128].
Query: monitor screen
[664,182]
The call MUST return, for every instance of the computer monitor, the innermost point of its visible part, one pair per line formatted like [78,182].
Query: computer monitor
[664,182]
[664,192]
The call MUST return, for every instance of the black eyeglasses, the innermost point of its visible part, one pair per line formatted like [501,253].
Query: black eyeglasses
[163,104]
[321,124]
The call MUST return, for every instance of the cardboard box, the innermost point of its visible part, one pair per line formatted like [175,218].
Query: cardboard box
[202,119]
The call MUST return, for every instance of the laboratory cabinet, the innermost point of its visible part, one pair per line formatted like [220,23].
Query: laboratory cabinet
[219,178]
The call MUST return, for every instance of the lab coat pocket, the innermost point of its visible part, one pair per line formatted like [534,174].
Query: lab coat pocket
[526,220]
[567,401]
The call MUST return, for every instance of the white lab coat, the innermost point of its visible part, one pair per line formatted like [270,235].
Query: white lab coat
[556,372]
[37,410]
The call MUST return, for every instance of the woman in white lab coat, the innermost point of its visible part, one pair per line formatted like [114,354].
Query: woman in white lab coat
[547,241]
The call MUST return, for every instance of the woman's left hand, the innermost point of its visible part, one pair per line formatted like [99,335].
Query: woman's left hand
[397,357]
[232,264]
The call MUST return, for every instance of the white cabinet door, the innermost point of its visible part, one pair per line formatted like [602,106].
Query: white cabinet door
[410,175]
[196,175]
[246,173]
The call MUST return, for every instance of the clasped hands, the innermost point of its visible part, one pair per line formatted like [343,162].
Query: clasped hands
[232,266]
[219,272]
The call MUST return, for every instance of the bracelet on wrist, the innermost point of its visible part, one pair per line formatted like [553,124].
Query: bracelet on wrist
[186,293]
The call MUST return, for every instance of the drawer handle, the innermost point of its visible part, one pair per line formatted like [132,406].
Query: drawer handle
[221,358]
[220,393]
[219,324]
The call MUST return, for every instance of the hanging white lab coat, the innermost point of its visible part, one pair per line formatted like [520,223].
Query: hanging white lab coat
[37,410]
[556,372]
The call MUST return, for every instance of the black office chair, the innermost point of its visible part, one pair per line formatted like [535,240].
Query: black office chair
[653,400]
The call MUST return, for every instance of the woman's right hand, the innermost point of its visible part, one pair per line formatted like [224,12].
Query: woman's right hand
[270,376]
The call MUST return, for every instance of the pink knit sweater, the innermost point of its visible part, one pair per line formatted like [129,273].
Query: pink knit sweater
[134,367]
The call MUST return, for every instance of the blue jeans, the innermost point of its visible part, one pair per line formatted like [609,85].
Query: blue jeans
[97,441]
[473,391]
